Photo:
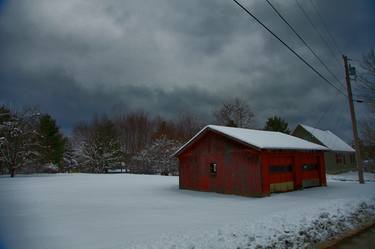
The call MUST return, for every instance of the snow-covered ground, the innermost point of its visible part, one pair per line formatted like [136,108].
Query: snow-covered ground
[119,211]
[351,176]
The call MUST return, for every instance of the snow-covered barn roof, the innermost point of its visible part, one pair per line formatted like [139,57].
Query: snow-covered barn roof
[328,139]
[258,139]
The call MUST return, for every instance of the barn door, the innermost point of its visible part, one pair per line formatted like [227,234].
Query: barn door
[281,174]
[310,174]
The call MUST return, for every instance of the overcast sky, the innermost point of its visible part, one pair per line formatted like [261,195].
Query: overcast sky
[74,58]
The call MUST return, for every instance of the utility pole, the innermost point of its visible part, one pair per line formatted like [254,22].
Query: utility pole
[354,122]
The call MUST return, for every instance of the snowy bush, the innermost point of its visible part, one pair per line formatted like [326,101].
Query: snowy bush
[97,147]
[50,168]
[157,158]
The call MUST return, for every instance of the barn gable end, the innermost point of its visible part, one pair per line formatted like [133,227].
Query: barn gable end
[237,166]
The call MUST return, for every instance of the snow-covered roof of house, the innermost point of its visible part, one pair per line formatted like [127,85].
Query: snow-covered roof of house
[328,139]
[258,139]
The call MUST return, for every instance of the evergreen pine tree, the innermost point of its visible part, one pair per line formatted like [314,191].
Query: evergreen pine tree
[52,142]
[276,123]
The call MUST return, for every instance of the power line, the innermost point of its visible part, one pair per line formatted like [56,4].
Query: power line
[288,47]
[304,42]
[315,28]
[325,26]
[368,97]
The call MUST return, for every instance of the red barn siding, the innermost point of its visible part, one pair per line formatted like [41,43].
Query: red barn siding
[238,166]
[241,169]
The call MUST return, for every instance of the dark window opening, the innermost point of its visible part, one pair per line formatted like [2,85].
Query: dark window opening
[308,167]
[276,169]
[213,168]
[352,158]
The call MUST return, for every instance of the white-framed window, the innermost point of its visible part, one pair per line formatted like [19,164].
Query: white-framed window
[213,168]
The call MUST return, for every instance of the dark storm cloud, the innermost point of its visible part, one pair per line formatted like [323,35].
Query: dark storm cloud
[58,93]
[74,58]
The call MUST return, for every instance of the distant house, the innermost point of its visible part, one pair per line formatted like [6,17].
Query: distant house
[339,158]
[249,162]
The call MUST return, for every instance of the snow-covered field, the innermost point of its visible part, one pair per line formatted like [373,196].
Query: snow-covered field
[351,176]
[84,211]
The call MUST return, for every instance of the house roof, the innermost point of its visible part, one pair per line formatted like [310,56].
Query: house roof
[328,139]
[258,139]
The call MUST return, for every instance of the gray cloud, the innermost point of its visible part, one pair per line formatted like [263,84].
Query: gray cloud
[74,58]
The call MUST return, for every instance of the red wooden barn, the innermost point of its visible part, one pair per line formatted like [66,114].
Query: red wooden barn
[249,162]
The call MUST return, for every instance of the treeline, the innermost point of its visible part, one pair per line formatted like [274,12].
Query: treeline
[31,142]
[134,142]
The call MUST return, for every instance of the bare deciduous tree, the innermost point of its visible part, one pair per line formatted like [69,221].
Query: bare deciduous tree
[367,92]
[187,125]
[368,144]
[163,128]
[235,112]
[367,79]
[135,131]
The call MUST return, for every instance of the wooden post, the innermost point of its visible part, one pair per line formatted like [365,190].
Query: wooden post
[354,122]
